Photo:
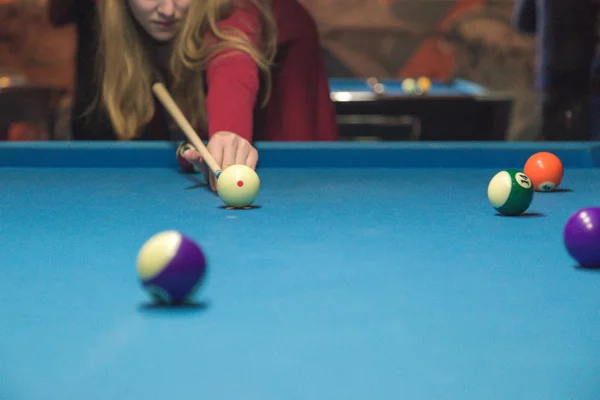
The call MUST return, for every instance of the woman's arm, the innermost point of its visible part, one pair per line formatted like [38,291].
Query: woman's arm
[233,84]
[233,81]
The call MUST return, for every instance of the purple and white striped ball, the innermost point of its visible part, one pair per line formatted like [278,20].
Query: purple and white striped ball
[171,267]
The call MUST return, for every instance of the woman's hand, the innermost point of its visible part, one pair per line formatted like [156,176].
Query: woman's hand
[227,149]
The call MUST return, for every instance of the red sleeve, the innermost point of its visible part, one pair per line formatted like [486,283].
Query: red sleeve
[233,81]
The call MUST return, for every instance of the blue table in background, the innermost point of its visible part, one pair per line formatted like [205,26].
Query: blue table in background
[455,110]
[369,271]
[360,88]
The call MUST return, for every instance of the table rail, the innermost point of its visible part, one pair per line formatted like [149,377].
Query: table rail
[303,154]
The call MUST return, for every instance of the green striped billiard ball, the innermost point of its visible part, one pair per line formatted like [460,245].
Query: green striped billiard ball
[510,192]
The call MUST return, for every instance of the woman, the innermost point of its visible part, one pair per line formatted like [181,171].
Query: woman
[565,51]
[240,70]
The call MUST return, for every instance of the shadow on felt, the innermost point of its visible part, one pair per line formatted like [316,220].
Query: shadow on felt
[595,269]
[559,190]
[196,180]
[197,185]
[248,208]
[187,307]
[524,215]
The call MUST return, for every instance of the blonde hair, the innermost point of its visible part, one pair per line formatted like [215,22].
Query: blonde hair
[127,70]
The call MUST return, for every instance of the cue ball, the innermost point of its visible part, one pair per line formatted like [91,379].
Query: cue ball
[545,171]
[582,237]
[238,186]
[510,192]
[171,267]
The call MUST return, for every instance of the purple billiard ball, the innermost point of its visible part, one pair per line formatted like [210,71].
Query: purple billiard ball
[171,267]
[582,237]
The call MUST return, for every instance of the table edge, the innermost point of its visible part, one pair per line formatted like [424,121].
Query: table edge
[305,154]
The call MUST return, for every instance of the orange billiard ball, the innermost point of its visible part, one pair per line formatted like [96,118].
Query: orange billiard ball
[545,171]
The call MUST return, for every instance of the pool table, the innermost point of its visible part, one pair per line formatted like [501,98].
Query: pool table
[451,110]
[364,271]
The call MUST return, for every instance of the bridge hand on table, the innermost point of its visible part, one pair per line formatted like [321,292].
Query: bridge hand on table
[228,149]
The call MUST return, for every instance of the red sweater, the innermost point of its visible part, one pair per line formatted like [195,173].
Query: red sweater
[299,108]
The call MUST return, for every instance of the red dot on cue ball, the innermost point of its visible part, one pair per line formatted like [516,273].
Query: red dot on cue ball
[240,183]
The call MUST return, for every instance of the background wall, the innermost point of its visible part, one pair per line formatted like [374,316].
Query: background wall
[470,39]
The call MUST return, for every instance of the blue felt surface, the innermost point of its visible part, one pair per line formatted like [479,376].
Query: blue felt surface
[344,284]
[403,286]
[394,87]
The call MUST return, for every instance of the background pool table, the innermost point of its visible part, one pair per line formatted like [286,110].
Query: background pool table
[368,271]
[449,111]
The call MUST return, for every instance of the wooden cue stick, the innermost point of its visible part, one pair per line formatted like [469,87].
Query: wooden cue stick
[165,98]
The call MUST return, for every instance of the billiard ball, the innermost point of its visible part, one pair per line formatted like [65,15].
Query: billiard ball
[375,85]
[424,84]
[545,171]
[510,192]
[238,186]
[185,165]
[409,85]
[581,236]
[171,267]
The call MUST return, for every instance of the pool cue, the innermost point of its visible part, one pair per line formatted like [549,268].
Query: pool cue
[167,101]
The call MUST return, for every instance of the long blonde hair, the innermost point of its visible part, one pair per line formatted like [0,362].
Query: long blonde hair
[127,69]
